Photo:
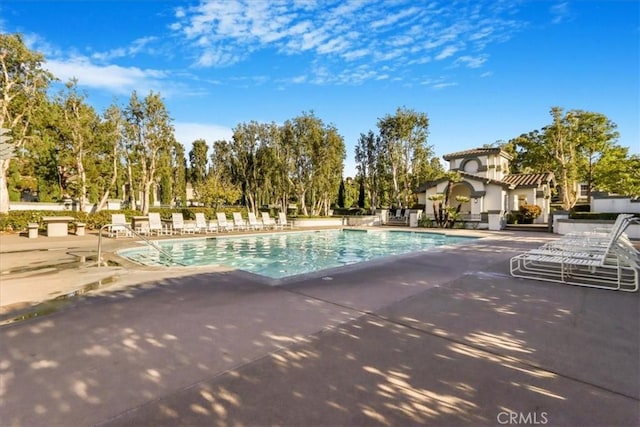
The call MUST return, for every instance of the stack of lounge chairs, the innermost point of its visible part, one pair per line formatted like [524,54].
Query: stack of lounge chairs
[603,258]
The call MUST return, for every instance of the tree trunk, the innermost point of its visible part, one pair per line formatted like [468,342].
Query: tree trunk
[83,182]
[4,189]
[112,182]
[146,197]
[132,190]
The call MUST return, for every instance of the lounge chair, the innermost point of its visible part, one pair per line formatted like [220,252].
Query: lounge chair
[223,225]
[156,226]
[119,226]
[179,226]
[269,222]
[203,226]
[599,239]
[253,222]
[398,214]
[238,222]
[611,265]
[282,221]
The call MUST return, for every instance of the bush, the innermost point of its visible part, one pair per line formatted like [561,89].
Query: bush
[527,213]
[425,222]
[605,216]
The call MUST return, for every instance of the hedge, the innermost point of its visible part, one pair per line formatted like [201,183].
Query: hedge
[595,215]
[17,220]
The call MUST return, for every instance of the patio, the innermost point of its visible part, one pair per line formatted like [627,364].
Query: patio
[442,338]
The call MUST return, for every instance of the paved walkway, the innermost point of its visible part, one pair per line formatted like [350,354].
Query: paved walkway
[439,338]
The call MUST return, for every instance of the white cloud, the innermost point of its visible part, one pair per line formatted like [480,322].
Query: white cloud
[345,34]
[447,52]
[187,132]
[136,47]
[111,77]
[560,12]
[471,61]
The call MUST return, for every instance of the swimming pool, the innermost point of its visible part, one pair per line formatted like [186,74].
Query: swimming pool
[281,255]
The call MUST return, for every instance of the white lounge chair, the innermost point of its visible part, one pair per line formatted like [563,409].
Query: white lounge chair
[119,226]
[156,226]
[282,221]
[179,226]
[254,223]
[239,222]
[203,226]
[223,224]
[269,222]
[598,240]
[610,266]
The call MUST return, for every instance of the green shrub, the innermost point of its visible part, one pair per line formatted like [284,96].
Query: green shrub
[608,216]
[425,222]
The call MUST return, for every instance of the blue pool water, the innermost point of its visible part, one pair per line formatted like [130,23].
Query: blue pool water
[281,255]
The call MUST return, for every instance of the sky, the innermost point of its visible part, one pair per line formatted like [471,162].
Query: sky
[482,71]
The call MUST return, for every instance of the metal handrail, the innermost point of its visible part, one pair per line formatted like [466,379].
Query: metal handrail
[147,241]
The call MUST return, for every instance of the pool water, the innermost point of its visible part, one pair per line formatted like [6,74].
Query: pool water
[281,255]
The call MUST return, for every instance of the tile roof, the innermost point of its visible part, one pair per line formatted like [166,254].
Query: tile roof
[528,179]
[473,152]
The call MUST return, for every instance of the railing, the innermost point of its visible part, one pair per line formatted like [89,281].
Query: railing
[135,233]
[462,217]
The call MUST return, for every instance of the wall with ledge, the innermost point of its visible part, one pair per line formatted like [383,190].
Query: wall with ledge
[565,226]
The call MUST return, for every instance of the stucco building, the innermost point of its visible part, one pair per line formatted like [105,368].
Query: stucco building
[492,191]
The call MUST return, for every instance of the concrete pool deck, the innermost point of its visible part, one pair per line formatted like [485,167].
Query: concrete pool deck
[446,337]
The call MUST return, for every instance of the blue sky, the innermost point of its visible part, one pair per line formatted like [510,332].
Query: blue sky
[482,71]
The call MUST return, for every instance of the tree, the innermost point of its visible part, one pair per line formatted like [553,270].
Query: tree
[179,178]
[216,191]
[112,132]
[404,138]
[198,159]
[149,132]
[314,154]
[570,147]
[369,158]
[444,213]
[618,172]
[361,195]
[247,139]
[79,126]
[23,85]
[596,135]
[341,194]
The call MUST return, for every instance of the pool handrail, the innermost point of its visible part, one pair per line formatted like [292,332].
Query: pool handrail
[135,233]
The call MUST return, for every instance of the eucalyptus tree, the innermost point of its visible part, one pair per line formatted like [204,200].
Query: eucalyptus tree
[247,139]
[300,135]
[328,159]
[404,138]
[198,158]
[78,131]
[270,183]
[148,132]
[112,131]
[23,85]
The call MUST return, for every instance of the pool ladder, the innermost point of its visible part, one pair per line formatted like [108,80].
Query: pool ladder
[135,233]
